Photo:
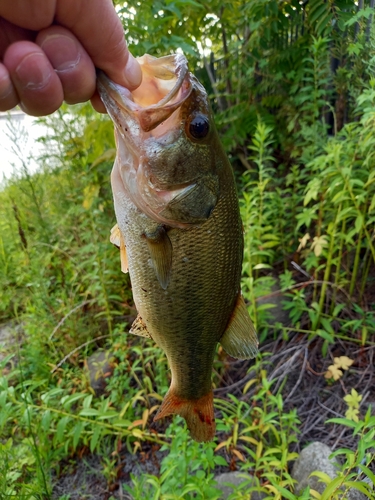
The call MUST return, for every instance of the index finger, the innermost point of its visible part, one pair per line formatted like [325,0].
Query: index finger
[96,24]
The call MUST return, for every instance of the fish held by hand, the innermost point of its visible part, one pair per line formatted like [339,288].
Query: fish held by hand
[179,231]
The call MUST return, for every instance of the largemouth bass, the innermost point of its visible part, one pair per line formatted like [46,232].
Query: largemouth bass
[179,231]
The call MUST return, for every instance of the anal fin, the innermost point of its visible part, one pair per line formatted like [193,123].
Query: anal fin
[139,328]
[118,240]
[160,248]
[198,413]
[240,339]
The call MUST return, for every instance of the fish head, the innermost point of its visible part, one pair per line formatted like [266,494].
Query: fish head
[167,145]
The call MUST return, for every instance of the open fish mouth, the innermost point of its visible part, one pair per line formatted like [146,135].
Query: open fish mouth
[164,88]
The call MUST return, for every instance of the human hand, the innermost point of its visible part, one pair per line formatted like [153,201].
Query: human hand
[49,51]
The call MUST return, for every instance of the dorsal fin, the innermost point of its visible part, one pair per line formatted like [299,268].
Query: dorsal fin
[240,339]
[160,248]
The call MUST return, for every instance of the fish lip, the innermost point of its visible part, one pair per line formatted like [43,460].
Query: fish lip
[121,105]
[119,95]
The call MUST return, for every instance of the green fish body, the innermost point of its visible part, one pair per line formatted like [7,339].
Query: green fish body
[179,231]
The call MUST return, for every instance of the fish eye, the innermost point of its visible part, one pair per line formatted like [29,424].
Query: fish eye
[199,127]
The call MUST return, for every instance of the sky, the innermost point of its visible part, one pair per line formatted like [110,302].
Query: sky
[18,141]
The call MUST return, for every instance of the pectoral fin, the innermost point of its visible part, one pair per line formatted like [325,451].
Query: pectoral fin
[117,239]
[160,248]
[240,339]
[139,328]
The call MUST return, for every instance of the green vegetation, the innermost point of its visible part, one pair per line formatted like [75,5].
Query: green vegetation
[293,89]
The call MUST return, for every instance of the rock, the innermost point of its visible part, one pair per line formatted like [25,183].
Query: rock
[6,334]
[355,495]
[100,366]
[315,457]
[10,334]
[228,482]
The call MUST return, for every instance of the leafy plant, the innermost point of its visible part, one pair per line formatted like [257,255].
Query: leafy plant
[355,472]
[293,91]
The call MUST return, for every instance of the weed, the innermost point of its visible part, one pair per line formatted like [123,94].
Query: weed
[293,91]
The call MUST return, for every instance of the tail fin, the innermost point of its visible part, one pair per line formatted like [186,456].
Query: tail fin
[198,413]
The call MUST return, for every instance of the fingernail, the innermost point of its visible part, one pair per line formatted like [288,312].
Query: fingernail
[133,73]
[34,70]
[62,51]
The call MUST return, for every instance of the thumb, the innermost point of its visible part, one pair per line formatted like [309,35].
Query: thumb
[97,26]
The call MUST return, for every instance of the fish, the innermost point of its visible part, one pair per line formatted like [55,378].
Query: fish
[179,231]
